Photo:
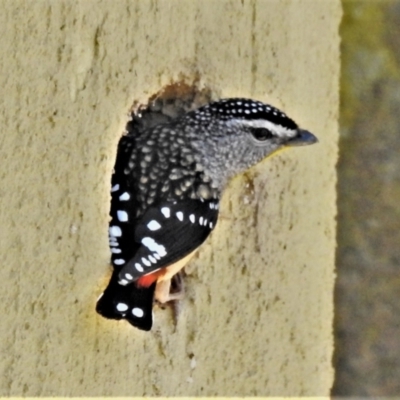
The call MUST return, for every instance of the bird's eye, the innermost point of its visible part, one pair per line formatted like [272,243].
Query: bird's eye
[261,134]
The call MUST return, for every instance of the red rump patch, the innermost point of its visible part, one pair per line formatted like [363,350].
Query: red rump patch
[147,280]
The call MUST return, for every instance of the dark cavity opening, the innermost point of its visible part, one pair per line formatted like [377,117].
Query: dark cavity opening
[168,104]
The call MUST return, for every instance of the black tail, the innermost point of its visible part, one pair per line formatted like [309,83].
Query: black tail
[127,302]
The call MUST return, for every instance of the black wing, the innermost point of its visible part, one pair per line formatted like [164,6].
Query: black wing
[127,302]
[167,233]
[119,302]
[124,205]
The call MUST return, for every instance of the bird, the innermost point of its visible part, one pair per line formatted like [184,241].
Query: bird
[165,193]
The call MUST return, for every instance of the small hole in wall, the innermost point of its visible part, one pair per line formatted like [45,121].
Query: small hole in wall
[169,103]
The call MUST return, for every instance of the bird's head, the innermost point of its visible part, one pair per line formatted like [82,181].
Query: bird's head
[234,134]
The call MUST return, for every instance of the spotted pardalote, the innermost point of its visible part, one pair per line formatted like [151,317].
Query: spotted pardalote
[165,194]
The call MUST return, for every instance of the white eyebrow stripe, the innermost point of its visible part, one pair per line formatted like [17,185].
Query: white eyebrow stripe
[276,129]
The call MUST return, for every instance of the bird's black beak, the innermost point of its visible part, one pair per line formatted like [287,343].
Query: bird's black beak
[303,138]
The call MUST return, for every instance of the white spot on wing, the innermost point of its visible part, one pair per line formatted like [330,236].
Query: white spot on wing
[122,307]
[122,215]
[119,261]
[125,196]
[192,218]
[179,215]
[137,312]
[115,188]
[116,251]
[146,262]
[201,220]
[152,259]
[153,225]
[115,231]
[153,246]
[138,267]
[166,212]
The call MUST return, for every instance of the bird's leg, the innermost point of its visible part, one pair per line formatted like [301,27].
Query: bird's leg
[171,291]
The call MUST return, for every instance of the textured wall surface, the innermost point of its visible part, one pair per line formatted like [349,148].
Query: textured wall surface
[368,285]
[257,319]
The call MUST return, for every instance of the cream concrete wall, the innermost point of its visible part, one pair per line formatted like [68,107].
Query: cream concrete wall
[258,314]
